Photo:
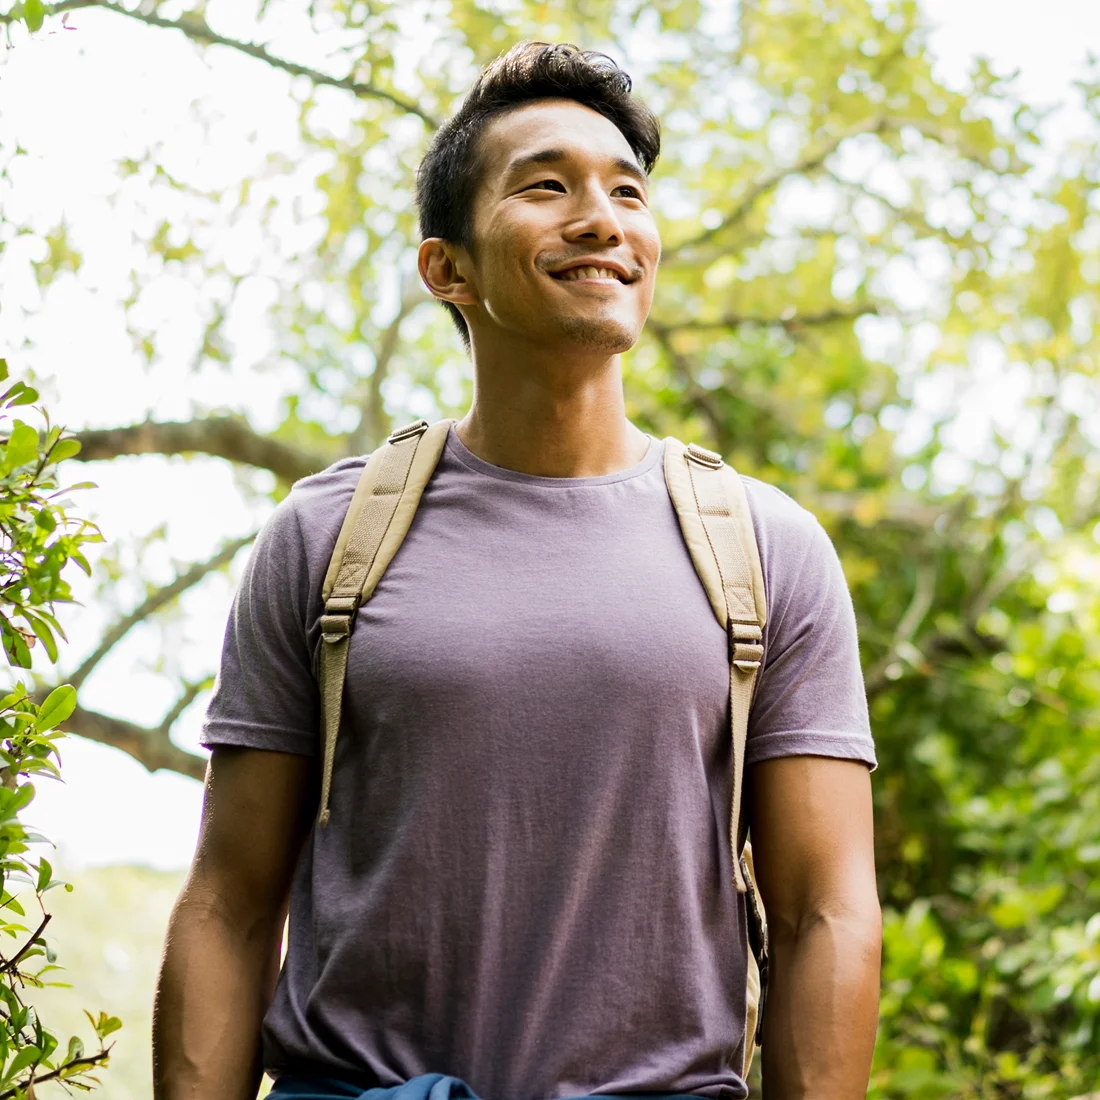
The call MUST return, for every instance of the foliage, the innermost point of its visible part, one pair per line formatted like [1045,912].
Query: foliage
[879,292]
[37,540]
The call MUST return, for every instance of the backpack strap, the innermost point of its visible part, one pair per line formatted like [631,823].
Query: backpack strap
[714,517]
[710,502]
[377,520]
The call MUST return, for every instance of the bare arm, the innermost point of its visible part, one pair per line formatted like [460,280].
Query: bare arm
[221,954]
[814,855]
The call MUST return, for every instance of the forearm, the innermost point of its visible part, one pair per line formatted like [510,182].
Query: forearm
[822,1007]
[216,980]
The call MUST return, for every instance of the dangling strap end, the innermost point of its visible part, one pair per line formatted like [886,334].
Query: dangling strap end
[758,1038]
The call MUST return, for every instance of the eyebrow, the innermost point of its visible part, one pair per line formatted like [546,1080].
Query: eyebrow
[556,156]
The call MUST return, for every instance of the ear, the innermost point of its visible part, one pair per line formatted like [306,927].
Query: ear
[445,270]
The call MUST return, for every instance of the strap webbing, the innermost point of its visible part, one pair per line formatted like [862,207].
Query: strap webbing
[376,498]
[714,516]
[717,506]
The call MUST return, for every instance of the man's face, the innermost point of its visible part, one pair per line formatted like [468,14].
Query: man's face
[564,248]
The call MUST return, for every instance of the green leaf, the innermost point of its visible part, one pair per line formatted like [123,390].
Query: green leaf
[11,902]
[75,1049]
[3,369]
[65,448]
[22,797]
[59,704]
[45,872]
[45,635]
[107,1026]
[15,645]
[17,695]
[27,395]
[22,446]
[28,1056]
[34,12]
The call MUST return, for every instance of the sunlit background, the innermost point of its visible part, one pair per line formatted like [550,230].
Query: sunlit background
[155,201]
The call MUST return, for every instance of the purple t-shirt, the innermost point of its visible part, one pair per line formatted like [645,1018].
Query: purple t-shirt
[526,881]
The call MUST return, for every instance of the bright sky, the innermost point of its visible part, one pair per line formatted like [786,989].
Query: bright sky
[80,100]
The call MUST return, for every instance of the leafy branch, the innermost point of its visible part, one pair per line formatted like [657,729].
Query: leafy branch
[38,540]
[194,25]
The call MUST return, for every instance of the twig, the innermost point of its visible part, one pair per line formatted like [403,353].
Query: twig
[902,644]
[189,695]
[9,965]
[371,425]
[769,181]
[791,323]
[154,602]
[197,29]
[88,1060]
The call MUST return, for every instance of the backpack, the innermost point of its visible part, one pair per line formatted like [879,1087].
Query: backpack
[710,503]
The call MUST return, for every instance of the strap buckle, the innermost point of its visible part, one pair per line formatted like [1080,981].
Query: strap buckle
[335,628]
[339,616]
[746,648]
[711,459]
[417,427]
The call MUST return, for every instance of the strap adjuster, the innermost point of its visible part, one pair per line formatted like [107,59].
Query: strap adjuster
[417,427]
[711,459]
[335,628]
[746,650]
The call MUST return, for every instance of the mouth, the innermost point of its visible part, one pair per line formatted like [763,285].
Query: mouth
[591,272]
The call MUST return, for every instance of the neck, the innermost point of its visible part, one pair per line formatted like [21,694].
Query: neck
[550,413]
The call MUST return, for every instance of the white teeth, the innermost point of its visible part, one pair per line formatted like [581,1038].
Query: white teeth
[588,273]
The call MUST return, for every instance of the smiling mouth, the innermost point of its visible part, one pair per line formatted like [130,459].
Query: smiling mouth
[573,274]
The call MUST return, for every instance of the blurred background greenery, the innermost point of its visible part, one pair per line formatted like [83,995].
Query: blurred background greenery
[880,292]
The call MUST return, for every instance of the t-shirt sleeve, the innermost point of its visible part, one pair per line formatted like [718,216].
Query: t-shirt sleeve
[810,698]
[265,695]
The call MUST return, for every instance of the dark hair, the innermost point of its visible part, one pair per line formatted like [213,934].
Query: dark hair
[447,178]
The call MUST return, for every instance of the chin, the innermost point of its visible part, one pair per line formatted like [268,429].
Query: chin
[604,334]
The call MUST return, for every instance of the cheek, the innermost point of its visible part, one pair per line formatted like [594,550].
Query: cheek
[503,262]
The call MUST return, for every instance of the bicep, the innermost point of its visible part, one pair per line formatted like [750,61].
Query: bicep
[257,812]
[813,838]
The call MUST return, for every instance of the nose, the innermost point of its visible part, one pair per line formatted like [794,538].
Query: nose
[595,218]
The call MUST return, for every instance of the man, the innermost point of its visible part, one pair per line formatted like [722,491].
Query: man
[525,881]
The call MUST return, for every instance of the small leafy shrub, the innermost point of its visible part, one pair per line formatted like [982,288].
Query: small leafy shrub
[38,540]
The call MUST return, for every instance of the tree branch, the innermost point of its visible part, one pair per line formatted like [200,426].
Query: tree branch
[151,748]
[902,644]
[704,399]
[10,964]
[701,398]
[372,425]
[89,1060]
[792,322]
[157,599]
[769,181]
[190,693]
[194,25]
[223,436]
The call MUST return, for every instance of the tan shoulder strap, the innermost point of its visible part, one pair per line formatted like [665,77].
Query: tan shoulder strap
[713,510]
[374,527]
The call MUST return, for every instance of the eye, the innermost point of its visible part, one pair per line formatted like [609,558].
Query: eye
[554,185]
[632,191]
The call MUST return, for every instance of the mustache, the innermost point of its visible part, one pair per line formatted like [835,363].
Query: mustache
[557,263]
